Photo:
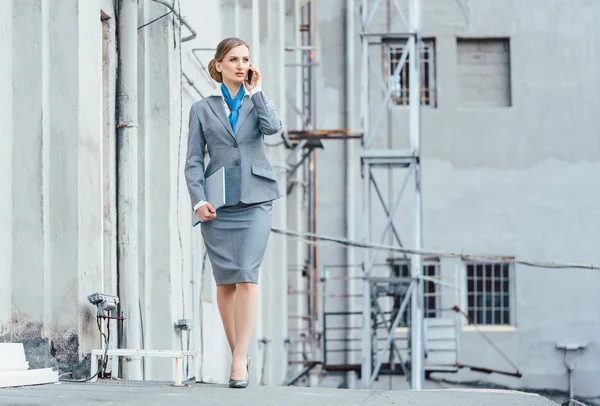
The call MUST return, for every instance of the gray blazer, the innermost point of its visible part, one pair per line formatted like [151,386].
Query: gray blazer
[249,175]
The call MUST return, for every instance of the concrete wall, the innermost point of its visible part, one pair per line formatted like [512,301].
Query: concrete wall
[55,204]
[58,221]
[513,180]
[519,180]
[6,214]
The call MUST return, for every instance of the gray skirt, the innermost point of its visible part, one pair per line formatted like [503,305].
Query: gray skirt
[236,241]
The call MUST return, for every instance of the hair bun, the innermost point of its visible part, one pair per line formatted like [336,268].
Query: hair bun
[214,73]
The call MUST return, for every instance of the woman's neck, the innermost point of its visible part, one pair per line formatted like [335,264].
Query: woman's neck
[233,88]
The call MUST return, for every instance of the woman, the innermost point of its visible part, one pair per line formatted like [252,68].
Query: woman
[231,123]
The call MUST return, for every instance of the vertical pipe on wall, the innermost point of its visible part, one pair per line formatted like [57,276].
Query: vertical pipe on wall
[46,141]
[127,186]
[350,165]
[236,18]
[283,279]
[416,328]
[301,303]
[256,32]
[366,304]
[313,111]
[6,165]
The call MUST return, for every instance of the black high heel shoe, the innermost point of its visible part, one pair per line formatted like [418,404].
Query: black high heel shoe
[236,384]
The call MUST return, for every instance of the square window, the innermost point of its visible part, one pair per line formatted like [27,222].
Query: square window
[483,69]
[400,82]
[488,299]
[431,300]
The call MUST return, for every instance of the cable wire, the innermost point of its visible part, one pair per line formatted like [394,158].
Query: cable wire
[155,20]
[307,237]
[490,342]
[104,357]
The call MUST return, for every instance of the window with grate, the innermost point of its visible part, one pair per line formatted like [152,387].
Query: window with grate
[431,295]
[489,293]
[400,83]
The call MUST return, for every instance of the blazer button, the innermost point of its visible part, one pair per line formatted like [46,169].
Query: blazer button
[237,162]
[235,145]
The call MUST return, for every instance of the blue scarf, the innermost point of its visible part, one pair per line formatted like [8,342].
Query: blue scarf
[234,104]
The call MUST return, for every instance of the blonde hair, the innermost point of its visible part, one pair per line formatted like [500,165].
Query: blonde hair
[222,49]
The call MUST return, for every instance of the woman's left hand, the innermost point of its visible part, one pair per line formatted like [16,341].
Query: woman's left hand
[256,78]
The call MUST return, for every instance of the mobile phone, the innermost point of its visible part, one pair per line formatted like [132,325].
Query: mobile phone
[249,78]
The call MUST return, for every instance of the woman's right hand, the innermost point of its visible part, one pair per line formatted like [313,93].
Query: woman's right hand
[206,212]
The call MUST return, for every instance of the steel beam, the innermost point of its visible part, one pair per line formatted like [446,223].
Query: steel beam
[417,313]
[392,160]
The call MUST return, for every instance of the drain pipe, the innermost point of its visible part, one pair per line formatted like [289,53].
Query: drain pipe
[350,174]
[570,366]
[127,185]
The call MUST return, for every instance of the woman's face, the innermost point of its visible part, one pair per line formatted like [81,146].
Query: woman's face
[235,64]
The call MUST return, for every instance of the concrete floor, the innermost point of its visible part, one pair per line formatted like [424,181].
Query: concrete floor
[162,393]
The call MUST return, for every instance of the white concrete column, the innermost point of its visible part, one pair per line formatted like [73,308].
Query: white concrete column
[27,169]
[61,102]
[213,17]
[158,92]
[297,215]
[263,11]
[145,278]
[6,163]
[71,156]
[109,148]
[260,329]
[90,217]
[279,261]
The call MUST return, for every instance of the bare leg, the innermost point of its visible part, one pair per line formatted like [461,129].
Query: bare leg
[246,304]
[226,301]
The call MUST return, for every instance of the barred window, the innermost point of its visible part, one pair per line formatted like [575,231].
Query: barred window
[432,305]
[489,293]
[400,84]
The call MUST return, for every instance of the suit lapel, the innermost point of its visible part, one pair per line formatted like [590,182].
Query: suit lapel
[216,105]
[245,110]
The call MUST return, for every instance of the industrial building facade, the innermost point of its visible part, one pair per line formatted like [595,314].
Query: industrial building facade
[509,157]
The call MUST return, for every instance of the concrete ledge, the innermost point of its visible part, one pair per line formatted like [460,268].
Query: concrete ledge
[161,393]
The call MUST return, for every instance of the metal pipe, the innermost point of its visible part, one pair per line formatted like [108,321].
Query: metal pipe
[127,186]
[417,325]
[203,67]
[350,159]
[192,84]
[366,305]
[315,279]
[298,62]
[388,34]
[312,29]
[301,303]
[281,67]
[180,18]
[236,18]
[256,32]
[309,217]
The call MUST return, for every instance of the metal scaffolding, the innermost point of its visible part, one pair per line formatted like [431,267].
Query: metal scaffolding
[304,139]
[405,160]
[377,289]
